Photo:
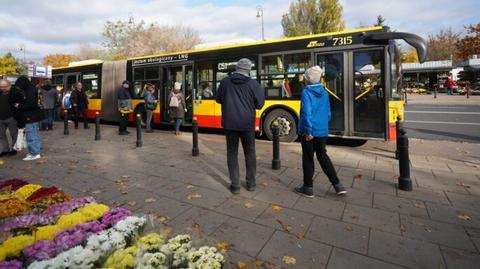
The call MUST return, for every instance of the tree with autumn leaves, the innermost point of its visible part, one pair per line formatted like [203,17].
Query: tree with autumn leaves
[470,44]
[59,59]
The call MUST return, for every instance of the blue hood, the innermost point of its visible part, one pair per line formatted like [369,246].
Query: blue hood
[315,111]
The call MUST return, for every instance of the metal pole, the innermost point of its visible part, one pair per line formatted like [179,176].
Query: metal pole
[97,126]
[276,163]
[398,126]
[468,89]
[195,149]
[404,180]
[263,28]
[139,131]
[65,122]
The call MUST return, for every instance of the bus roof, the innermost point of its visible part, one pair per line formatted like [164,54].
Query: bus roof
[359,30]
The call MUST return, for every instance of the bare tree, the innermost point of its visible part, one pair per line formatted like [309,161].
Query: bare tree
[86,51]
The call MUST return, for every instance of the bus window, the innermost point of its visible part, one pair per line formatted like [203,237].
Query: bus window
[282,75]
[226,67]
[139,74]
[369,108]
[91,85]
[152,73]
[57,80]
[205,81]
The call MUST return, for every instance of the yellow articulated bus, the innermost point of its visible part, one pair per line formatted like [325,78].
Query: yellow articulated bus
[362,76]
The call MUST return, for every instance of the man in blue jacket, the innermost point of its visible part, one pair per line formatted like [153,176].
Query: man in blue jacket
[240,96]
[313,129]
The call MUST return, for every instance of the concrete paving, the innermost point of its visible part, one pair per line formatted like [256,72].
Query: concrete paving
[376,225]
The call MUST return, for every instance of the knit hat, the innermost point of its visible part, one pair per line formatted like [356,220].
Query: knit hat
[177,86]
[126,82]
[244,66]
[313,74]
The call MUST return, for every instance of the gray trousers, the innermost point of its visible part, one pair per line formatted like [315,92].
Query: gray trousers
[9,124]
[149,119]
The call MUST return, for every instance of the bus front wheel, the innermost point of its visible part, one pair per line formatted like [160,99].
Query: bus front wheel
[287,123]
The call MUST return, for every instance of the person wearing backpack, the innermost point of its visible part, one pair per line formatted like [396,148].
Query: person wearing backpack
[67,103]
[150,104]
[177,106]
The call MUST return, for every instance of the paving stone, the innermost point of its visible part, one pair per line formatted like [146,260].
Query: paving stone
[374,218]
[456,258]
[307,253]
[464,201]
[404,251]
[436,232]
[245,237]
[374,186]
[243,208]
[286,198]
[456,215]
[423,194]
[288,220]
[473,232]
[321,207]
[476,241]
[342,259]
[133,198]
[164,206]
[354,196]
[233,258]
[339,234]
[386,176]
[204,197]
[446,185]
[402,205]
[198,222]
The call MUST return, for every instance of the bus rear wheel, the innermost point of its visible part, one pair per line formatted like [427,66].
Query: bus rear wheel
[287,123]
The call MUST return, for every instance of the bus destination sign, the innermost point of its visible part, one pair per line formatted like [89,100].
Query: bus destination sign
[161,60]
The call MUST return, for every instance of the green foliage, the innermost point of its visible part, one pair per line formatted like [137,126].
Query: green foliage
[380,21]
[313,17]
[9,65]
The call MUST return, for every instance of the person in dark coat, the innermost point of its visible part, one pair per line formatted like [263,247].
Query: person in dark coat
[79,102]
[49,96]
[124,106]
[240,97]
[10,100]
[31,116]
[177,106]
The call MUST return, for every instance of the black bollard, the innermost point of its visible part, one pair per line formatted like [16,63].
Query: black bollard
[65,122]
[276,163]
[404,180]
[435,93]
[139,130]
[195,150]
[398,126]
[97,126]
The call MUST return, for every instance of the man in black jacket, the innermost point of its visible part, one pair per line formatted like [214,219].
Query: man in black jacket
[124,106]
[240,96]
[80,104]
[10,100]
[31,115]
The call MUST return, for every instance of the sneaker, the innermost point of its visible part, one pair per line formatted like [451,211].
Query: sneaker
[305,191]
[234,190]
[250,187]
[339,189]
[32,157]
[12,153]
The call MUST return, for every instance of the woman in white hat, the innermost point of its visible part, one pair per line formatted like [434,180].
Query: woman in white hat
[177,106]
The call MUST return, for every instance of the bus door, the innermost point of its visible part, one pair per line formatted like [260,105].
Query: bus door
[170,75]
[335,84]
[354,81]
[369,103]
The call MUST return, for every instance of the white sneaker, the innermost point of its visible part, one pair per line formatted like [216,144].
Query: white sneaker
[32,157]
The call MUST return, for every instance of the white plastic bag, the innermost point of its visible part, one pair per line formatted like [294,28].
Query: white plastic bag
[21,140]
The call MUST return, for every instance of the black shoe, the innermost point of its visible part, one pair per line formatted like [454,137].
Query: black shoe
[5,153]
[251,187]
[234,190]
[12,153]
[339,189]
[305,191]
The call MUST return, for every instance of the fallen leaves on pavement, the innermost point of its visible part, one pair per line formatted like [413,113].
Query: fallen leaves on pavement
[419,205]
[248,205]
[276,208]
[223,246]
[357,177]
[193,196]
[150,200]
[402,229]
[300,235]
[2,162]
[464,217]
[289,260]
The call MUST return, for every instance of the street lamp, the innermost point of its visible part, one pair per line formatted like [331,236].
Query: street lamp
[260,15]
[22,48]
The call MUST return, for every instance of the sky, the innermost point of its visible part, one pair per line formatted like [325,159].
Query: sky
[60,26]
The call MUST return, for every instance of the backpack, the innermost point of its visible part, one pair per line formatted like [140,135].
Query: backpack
[174,101]
[66,101]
